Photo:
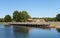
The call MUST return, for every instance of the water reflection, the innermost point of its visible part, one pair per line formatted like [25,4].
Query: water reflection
[17,31]
[20,31]
[45,28]
[58,30]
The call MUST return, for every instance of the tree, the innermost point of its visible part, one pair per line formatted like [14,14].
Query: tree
[58,17]
[16,16]
[1,20]
[7,18]
[51,19]
[20,16]
[25,16]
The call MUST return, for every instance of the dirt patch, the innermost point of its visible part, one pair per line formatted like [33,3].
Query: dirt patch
[58,26]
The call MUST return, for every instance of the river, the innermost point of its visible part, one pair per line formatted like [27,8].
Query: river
[15,31]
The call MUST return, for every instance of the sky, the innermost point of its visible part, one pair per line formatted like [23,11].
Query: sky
[35,8]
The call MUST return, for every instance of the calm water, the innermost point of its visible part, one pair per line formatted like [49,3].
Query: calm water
[28,32]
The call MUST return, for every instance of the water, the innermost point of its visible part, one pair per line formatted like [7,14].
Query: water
[14,31]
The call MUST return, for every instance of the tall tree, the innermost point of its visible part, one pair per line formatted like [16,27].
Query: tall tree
[20,16]
[25,16]
[16,16]
[7,18]
[58,17]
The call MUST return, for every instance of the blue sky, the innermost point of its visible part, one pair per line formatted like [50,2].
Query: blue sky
[35,8]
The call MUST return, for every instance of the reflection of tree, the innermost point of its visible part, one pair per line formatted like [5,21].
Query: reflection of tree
[58,30]
[46,28]
[7,26]
[20,31]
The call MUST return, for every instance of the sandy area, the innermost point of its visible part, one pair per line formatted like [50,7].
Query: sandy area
[54,26]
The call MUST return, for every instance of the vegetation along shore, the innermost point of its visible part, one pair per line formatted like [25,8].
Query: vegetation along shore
[23,16]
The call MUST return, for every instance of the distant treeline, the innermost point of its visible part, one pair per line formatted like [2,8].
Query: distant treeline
[22,16]
[57,18]
[47,19]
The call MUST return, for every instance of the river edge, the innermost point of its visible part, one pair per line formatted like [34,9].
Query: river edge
[52,24]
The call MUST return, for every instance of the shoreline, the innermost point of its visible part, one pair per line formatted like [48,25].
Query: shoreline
[52,24]
[55,25]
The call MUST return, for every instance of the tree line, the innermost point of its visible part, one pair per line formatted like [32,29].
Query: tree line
[21,16]
[57,18]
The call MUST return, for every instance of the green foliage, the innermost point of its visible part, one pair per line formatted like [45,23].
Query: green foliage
[58,17]
[1,20]
[16,16]
[47,19]
[20,16]
[51,19]
[7,18]
[25,16]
